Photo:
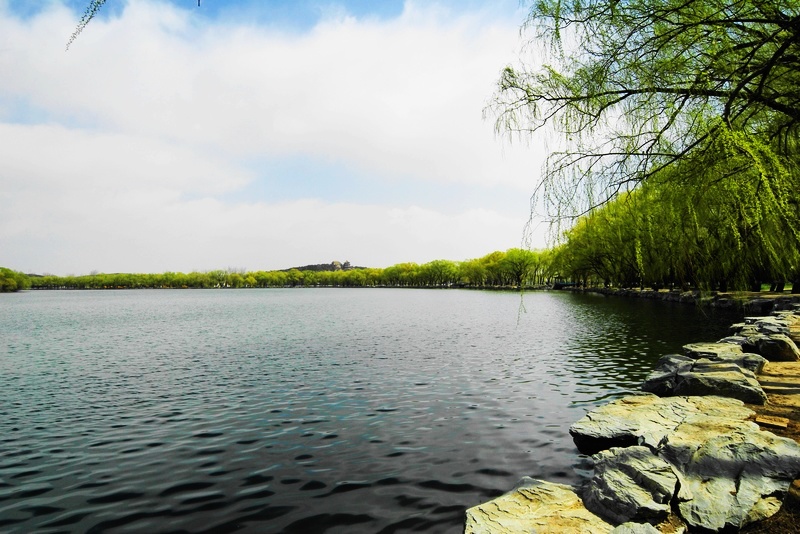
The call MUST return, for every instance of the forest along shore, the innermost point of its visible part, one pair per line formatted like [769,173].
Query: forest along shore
[711,444]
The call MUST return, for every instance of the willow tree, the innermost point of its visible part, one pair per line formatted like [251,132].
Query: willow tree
[13,281]
[661,236]
[635,87]
[91,10]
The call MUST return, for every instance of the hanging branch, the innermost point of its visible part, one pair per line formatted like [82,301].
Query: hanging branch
[91,10]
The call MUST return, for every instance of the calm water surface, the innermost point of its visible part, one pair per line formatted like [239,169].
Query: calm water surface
[313,410]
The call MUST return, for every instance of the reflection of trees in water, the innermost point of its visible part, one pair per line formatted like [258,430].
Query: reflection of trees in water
[521,311]
[615,342]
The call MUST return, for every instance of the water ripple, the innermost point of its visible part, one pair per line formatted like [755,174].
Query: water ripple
[302,411]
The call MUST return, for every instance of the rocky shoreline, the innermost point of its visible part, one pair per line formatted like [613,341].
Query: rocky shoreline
[688,454]
[751,303]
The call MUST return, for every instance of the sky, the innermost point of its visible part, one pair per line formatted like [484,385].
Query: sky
[256,135]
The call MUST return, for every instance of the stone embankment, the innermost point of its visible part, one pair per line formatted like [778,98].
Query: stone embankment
[686,455]
[752,303]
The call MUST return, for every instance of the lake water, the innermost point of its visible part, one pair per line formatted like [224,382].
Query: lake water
[304,410]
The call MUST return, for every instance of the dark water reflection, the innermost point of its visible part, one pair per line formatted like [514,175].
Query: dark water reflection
[617,341]
[303,410]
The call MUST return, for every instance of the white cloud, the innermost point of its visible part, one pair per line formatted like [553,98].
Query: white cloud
[151,118]
[401,97]
[51,155]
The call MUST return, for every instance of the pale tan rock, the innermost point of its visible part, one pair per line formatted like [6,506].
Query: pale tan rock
[731,472]
[781,382]
[730,479]
[648,420]
[635,528]
[772,421]
[710,350]
[534,506]
[630,484]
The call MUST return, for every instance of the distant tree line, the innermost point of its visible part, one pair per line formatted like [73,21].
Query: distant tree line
[13,281]
[514,268]
[656,237]
[674,154]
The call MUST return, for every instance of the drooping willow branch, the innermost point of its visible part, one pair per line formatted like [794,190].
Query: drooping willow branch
[91,10]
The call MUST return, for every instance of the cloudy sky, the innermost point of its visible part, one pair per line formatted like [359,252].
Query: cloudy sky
[256,134]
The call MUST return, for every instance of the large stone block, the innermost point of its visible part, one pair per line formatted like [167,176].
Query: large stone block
[730,376]
[775,348]
[635,528]
[728,350]
[534,506]
[710,350]
[731,473]
[733,479]
[648,419]
[630,484]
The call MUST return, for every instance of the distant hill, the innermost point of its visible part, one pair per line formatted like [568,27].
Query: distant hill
[332,266]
